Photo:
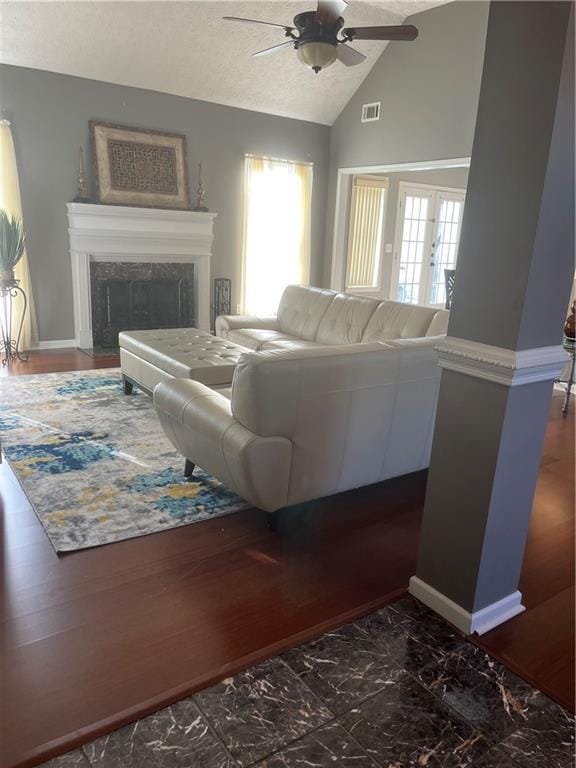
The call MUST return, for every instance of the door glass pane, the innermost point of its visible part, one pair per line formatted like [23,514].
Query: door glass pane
[446,247]
[412,248]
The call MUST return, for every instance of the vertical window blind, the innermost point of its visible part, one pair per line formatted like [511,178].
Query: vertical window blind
[365,231]
[278,198]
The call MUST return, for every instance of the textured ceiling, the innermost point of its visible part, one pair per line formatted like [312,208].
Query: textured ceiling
[185,48]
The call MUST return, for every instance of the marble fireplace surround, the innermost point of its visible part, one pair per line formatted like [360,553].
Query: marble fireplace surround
[112,233]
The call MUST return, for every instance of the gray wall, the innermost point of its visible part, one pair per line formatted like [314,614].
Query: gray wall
[512,178]
[429,92]
[50,114]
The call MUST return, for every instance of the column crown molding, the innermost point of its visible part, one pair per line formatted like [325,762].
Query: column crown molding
[502,366]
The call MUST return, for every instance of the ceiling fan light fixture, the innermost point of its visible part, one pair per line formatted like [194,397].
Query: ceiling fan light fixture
[317,55]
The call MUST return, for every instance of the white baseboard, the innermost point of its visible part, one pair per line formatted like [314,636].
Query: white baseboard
[480,621]
[55,344]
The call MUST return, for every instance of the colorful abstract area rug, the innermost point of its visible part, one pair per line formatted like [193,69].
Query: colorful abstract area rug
[95,463]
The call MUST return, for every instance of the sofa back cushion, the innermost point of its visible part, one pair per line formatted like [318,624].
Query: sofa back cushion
[439,324]
[395,320]
[345,319]
[269,386]
[355,414]
[301,310]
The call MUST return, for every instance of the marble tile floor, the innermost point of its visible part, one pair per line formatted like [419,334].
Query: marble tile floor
[397,689]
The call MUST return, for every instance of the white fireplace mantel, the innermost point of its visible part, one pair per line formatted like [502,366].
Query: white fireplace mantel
[152,235]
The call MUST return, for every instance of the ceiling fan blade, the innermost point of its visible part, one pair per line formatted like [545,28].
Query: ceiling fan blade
[397,32]
[330,11]
[257,21]
[274,48]
[348,56]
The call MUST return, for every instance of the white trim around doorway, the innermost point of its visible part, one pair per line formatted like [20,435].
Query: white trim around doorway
[343,188]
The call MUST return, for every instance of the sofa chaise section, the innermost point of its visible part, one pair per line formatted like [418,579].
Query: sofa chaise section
[306,423]
[148,357]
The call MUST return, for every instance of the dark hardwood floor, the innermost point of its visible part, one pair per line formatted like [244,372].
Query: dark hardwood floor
[55,360]
[539,644]
[95,639]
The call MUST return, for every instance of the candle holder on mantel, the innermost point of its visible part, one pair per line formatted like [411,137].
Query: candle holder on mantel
[200,193]
[82,196]
[10,291]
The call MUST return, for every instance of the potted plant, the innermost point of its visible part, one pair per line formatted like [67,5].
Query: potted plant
[12,245]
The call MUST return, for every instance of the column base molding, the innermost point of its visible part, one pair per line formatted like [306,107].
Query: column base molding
[502,366]
[480,621]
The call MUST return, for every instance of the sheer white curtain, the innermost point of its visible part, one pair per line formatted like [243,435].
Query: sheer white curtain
[10,201]
[278,196]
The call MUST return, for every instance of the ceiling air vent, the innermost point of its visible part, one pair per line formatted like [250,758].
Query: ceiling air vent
[371,112]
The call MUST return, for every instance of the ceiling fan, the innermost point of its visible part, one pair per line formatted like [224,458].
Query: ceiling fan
[320,37]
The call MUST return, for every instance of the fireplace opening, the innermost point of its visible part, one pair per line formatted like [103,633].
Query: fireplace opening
[130,296]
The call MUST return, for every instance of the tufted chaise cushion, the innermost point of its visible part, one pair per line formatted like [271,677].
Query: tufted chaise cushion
[257,338]
[181,352]
[289,344]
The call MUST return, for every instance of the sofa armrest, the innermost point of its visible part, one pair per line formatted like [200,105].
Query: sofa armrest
[179,398]
[199,423]
[226,323]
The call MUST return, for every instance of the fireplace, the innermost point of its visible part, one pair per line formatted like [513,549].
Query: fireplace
[129,296]
[136,268]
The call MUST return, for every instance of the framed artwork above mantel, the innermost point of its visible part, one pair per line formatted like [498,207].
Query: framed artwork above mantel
[139,167]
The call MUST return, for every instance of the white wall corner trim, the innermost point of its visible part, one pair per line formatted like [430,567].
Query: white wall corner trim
[341,208]
[153,235]
[501,366]
[479,622]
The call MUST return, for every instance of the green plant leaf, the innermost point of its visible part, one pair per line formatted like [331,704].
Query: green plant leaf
[12,241]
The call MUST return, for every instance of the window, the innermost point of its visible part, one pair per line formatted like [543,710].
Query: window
[278,197]
[427,238]
[445,244]
[367,208]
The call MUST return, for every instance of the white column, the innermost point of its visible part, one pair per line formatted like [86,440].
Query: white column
[514,275]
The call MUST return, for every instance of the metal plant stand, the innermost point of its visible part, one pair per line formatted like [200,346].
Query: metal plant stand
[10,291]
[570,347]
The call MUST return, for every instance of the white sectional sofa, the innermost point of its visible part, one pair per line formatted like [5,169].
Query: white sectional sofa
[311,317]
[338,392]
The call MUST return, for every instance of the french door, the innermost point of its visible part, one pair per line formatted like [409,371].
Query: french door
[427,237]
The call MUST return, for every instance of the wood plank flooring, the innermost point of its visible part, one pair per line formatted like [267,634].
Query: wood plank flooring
[539,644]
[55,360]
[94,639]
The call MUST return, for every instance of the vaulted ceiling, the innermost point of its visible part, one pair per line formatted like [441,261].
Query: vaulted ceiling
[185,48]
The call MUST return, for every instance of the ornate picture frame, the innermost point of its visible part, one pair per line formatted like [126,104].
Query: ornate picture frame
[139,167]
